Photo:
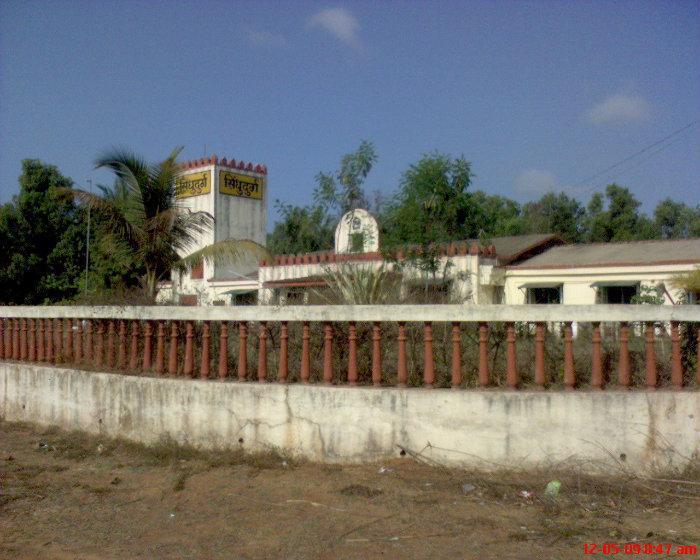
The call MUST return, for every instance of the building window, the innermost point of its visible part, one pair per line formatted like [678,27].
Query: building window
[248,298]
[357,242]
[617,294]
[188,299]
[197,272]
[295,296]
[544,295]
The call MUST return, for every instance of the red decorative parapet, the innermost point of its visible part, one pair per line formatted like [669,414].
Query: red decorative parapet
[242,351]
[262,352]
[224,162]
[428,363]
[223,351]
[204,358]
[446,335]
[352,353]
[624,378]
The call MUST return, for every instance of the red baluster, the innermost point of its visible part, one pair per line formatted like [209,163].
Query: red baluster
[23,350]
[428,362]
[676,365]
[328,353]
[242,351]
[88,342]
[58,345]
[78,355]
[68,350]
[402,369]
[597,360]
[111,336]
[262,352]
[49,340]
[624,375]
[456,356]
[160,349]
[134,348]
[40,340]
[147,346]
[283,365]
[100,344]
[305,358]
[204,358]
[2,337]
[172,356]
[121,355]
[650,357]
[189,350]
[31,350]
[697,358]
[377,354]
[569,374]
[512,377]
[223,351]
[540,374]
[484,373]
[15,339]
[352,353]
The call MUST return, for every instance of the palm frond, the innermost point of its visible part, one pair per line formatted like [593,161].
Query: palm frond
[688,281]
[188,229]
[229,251]
[111,212]
[360,284]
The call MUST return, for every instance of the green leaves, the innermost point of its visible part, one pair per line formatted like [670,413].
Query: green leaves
[43,237]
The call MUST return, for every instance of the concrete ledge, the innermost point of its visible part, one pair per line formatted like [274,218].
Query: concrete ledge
[386,313]
[651,430]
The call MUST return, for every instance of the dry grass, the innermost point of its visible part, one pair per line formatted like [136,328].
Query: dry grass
[93,497]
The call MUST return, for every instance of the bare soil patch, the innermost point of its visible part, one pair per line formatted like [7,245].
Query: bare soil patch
[71,496]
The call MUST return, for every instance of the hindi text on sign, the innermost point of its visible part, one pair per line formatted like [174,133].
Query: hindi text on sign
[235,184]
[193,184]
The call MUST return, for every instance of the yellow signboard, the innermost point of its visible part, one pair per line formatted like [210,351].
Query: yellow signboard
[235,184]
[193,184]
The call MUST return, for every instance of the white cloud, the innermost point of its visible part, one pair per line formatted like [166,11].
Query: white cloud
[340,23]
[266,39]
[620,108]
[536,182]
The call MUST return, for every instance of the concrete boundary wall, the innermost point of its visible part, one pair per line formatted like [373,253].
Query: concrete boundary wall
[651,430]
[386,313]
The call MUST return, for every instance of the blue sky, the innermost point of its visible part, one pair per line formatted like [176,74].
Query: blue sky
[537,95]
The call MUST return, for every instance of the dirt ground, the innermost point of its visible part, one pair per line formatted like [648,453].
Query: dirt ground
[70,496]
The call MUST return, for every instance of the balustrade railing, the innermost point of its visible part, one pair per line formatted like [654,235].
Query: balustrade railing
[373,345]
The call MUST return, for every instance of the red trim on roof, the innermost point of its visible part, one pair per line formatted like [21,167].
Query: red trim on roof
[600,265]
[225,162]
[295,283]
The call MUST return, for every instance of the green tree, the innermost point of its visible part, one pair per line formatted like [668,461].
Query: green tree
[616,217]
[554,213]
[493,216]
[432,204]
[302,229]
[43,237]
[342,191]
[142,216]
[675,220]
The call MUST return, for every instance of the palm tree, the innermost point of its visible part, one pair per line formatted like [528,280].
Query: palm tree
[142,215]
[688,282]
[360,284]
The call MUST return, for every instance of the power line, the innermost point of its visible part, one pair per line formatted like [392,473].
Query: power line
[636,154]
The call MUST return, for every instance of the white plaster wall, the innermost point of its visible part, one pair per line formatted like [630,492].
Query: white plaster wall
[465,271]
[510,429]
[577,281]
